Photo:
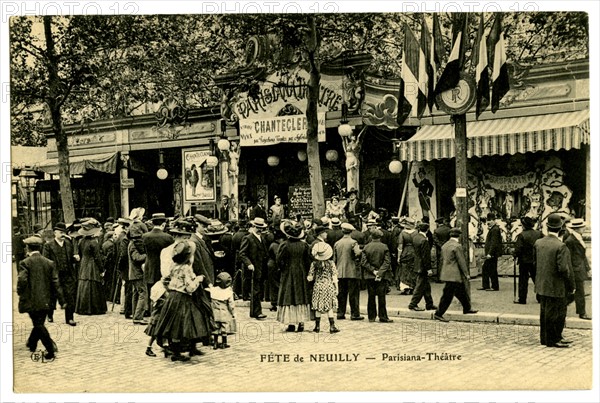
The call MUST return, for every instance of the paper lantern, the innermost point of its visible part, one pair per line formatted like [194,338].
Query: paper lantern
[302,156]
[345,130]
[223,144]
[212,161]
[351,161]
[162,174]
[331,155]
[395,166]
[273,161]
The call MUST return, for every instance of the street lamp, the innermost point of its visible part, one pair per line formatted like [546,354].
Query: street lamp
[161,173]
[344,129]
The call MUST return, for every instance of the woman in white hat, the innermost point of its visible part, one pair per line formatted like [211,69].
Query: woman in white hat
[324,274]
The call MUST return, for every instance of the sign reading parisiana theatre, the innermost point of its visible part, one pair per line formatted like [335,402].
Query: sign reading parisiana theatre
[280,129]
[277,113]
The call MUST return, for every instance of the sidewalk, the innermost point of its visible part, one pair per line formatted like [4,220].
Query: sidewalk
[493,306]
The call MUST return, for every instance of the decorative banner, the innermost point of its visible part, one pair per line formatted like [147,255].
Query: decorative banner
[509,183]
[199,179]
[279,129]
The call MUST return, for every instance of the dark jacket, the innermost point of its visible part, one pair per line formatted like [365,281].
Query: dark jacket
[37,284]
[293,259]
[123,257]
[422,254]
[454,265]
[579,260]
[255,252]
[493,242]
[137,257]
[334,235]
[441,235]
[154,241]
[203,261]
[554,277]
[67,272]
[524,245]
[376,256]
[236,244]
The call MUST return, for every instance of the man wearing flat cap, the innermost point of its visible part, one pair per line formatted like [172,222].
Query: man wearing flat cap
[37,286]
[554,283]
[579,262]
[60,251]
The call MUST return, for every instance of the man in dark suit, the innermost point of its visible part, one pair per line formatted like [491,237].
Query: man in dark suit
[455,273]
[204,256]
[236,243]
[441,235]
[554,283]
[18,247]
[37,286]
[60,251]
[422,268]
[524,254]
[254,256]
[122,242]
[493,250]
[377,271]
[154,241]
[354,209]
[579,262]
[335,233]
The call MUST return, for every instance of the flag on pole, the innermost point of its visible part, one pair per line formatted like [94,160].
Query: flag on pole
[438,53]
[497,56]
[410,95]
[426,62]
[481,71]
[451,74]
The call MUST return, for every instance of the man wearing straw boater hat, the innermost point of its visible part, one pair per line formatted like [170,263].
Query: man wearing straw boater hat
[346,253]
[60,251]
[254,256]
[579,262]
[554,283]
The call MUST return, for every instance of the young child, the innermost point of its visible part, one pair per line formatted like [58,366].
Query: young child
[324,273]
[223,309]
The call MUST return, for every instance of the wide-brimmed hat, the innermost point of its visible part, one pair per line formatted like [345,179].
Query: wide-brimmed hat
[322,251]
[137,229]
[60,226]
[259,222]
[320,229]
[409,222]
[336,222]
[576,223]
[158,218]
[125,222]
[292,229]
[216,227]
[182,227]
[554,221]
[200,219]
[183,251]
[90,227]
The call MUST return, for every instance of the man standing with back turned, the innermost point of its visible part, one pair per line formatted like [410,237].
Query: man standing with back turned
[553,283]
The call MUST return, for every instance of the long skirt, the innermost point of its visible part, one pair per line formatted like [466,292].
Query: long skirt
[290,314]
[90,298]
[407,273]
[155,314]
[180,319]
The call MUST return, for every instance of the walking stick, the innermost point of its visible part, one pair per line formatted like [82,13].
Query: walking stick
[514,279]
[117,279]
[252,293]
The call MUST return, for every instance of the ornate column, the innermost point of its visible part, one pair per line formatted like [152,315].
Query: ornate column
[124,175]
[231,177]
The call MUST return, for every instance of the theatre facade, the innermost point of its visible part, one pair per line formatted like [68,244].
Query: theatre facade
[532,157]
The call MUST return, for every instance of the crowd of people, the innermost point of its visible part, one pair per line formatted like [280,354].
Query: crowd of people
[180,276]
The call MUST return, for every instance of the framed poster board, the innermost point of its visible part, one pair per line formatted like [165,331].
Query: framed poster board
[199,180]
[300,201]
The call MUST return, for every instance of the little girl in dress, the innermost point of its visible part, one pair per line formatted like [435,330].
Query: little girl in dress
[222,302]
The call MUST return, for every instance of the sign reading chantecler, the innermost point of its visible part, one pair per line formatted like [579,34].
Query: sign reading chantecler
[278,129]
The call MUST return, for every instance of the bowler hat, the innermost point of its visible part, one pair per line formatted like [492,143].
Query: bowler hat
[292,229]
[527,222]
[351,191]
[554,221]
[60,226]
[491,216]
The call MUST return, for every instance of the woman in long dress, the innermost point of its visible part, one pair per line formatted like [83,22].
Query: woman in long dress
[90,292]
[293,260]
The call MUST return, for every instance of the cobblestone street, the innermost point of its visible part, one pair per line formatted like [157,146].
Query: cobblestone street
[102,353]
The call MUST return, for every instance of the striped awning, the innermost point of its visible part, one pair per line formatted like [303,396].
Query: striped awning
[79,165]
[501,136]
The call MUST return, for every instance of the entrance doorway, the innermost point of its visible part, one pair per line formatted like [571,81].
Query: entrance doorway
[388,193]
